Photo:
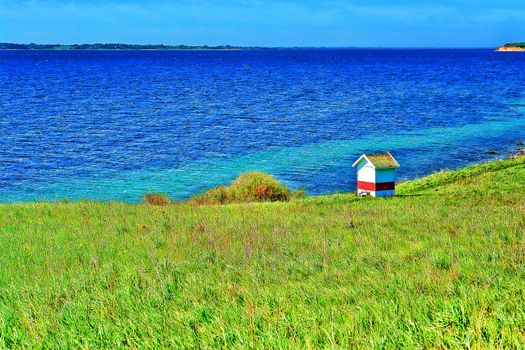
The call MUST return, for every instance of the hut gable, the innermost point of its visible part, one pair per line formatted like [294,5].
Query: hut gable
[378,161]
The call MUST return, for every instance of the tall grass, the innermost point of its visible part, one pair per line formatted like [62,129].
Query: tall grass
[156,199]
[418,271]
[248,187]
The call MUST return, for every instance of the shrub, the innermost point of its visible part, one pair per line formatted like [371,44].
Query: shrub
[249,187]
[156,199]
[217,195]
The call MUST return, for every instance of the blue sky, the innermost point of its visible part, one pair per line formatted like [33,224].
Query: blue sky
[372,23]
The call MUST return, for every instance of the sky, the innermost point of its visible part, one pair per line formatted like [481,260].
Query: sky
[271,23]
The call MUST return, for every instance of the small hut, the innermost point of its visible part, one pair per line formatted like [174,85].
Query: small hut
[376,175]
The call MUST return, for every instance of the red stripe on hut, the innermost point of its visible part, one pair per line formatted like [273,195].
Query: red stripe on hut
[381,186]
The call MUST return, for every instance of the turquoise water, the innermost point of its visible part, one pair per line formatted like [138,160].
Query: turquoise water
[193,178]
[432,109]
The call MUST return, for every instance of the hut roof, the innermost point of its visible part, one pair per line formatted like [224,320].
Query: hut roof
[379,161]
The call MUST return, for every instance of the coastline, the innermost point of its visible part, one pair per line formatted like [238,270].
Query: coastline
[518,153]
[510,49]
[210,49]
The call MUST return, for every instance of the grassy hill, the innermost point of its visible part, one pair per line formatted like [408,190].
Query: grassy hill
[440,266]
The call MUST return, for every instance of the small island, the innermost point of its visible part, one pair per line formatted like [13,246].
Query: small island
[118,46]
[512,47]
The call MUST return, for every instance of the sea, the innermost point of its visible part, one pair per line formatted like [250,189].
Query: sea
[114,125]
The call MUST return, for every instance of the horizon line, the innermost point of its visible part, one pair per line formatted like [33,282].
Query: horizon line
[252,46]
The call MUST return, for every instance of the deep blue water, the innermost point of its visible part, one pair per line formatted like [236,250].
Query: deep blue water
[112,125]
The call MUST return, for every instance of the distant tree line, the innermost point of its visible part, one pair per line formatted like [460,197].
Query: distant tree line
[32,46]
[518,44]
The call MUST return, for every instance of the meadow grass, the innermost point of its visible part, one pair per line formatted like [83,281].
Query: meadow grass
[439,266]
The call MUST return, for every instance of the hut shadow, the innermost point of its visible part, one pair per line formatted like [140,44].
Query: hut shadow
[416,195]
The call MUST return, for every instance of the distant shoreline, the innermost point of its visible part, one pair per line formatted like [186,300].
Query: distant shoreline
[117,47]
[512,47]
[162,47]
[61,50]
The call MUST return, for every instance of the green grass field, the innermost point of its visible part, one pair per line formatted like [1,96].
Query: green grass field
[439,266]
